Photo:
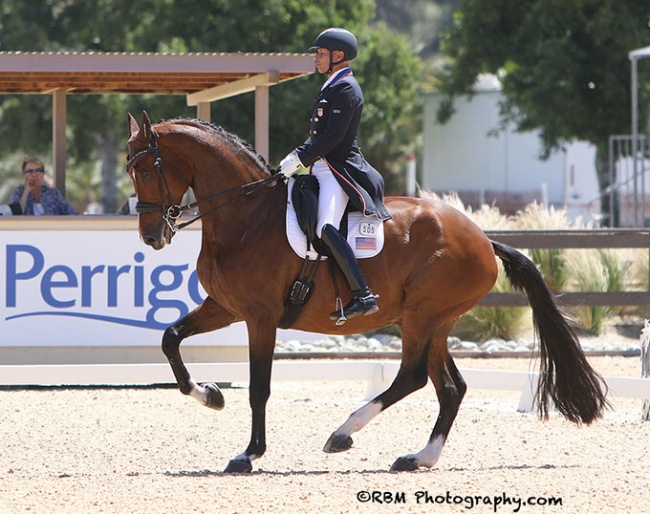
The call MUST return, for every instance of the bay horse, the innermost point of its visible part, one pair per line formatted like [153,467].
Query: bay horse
[436,264]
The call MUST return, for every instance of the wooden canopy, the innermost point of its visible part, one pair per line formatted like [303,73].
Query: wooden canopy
[202,77]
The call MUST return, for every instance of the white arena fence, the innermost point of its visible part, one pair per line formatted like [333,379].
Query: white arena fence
[378,374]
[645,365]
[80,341]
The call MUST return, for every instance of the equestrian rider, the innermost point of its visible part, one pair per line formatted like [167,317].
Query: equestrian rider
[332,153]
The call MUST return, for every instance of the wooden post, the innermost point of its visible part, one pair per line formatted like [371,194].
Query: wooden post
[262,121]
[203,111]
[59,120]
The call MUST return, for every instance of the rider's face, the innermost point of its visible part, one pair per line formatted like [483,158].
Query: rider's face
[322,60]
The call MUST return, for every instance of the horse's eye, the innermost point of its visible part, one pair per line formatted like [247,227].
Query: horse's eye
[144,172]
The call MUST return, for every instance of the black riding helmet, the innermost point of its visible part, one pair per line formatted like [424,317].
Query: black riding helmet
[337,39]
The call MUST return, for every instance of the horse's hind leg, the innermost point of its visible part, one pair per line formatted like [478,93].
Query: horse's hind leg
[207,317]
[450,388]
[412,375]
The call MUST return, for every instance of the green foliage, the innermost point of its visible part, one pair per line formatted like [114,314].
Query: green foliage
[483,323]
[550,261]
[95,122]
[598,270]
[580,270]
[563,64]
[388,73]
[422,21]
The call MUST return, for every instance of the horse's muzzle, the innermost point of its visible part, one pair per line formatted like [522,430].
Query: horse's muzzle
[155,243]
[157,235]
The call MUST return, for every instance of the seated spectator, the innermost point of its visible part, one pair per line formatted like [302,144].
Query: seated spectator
[35,197]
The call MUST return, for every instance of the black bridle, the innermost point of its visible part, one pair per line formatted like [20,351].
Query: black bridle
[173,211]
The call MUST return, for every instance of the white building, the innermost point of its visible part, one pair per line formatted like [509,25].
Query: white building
[470,155]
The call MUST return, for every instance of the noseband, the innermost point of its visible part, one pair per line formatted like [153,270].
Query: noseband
[172,212]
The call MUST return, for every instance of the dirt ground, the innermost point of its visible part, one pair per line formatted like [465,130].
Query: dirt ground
[151,450]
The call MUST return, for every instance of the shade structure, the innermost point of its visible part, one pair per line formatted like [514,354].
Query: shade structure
[201,77]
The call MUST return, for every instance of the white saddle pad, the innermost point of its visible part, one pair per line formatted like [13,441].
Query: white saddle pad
[365,235]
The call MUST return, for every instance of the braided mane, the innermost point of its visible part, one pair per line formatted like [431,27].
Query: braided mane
[222,133]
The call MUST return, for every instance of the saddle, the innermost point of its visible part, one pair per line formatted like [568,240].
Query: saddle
[304,197]
[365,236]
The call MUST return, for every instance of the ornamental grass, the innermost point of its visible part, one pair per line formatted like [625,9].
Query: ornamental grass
[564,270]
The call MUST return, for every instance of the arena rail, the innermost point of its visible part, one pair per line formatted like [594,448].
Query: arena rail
[556,239]
[378,375]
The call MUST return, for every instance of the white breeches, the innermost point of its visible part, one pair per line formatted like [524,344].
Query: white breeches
[332,200]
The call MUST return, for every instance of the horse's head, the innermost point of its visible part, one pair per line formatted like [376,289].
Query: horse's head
[159,184]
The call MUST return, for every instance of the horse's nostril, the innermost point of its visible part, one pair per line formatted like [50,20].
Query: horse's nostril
[151,241]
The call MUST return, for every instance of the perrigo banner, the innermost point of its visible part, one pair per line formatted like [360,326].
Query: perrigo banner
[98,288]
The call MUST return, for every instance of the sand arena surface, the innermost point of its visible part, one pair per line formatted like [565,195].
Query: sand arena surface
[156,451]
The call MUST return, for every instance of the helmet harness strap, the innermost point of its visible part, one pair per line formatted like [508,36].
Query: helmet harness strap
[332,64]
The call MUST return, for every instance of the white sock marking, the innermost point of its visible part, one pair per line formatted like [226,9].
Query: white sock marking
[429,455]
[199,393]
[359,419]
[243,456]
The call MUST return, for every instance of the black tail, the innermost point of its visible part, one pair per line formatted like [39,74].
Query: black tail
[566,377]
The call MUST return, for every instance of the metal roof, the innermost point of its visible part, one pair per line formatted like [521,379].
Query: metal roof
[202,77]
[140,73]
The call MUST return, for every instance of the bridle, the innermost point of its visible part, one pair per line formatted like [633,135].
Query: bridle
[173,211]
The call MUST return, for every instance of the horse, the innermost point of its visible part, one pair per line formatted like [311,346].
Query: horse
[435,265]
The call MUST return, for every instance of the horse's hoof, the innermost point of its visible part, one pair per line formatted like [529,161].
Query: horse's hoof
[214,397]
[239,466]
[338,443]
[405,464]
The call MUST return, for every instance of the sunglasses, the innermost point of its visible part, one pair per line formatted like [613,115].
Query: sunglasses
[35,170]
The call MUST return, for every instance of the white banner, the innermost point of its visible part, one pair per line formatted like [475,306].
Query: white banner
[87,288]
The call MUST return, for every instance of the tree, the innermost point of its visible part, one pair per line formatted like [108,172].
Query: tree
[422,21]
[389,74]
[563,65]
[97,122]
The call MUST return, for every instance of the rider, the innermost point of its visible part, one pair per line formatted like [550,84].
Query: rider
[332,153]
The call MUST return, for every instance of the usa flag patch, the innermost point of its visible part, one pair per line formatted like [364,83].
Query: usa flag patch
[365,243]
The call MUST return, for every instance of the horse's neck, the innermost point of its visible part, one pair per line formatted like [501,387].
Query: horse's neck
[223,174]
[224,215]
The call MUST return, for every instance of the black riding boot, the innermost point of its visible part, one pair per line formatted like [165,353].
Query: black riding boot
[363,301]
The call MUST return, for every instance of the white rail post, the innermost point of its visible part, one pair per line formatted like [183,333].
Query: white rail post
[645,366]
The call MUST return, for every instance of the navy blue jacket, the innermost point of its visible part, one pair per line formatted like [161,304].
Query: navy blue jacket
[335,120]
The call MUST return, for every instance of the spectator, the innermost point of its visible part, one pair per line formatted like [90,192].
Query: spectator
[35,197]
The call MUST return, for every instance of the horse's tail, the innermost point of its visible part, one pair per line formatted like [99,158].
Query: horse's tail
[566,377]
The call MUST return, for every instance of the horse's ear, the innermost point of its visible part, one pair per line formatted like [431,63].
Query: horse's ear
[145,118]
[133,125]
[145,133]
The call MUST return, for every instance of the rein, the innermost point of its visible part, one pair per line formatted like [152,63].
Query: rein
[172,212]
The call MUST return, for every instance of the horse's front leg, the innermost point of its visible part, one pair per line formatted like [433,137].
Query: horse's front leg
[261,346]
[206,317]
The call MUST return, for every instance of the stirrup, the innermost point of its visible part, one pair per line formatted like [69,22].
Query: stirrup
[341,315]
[341,310]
